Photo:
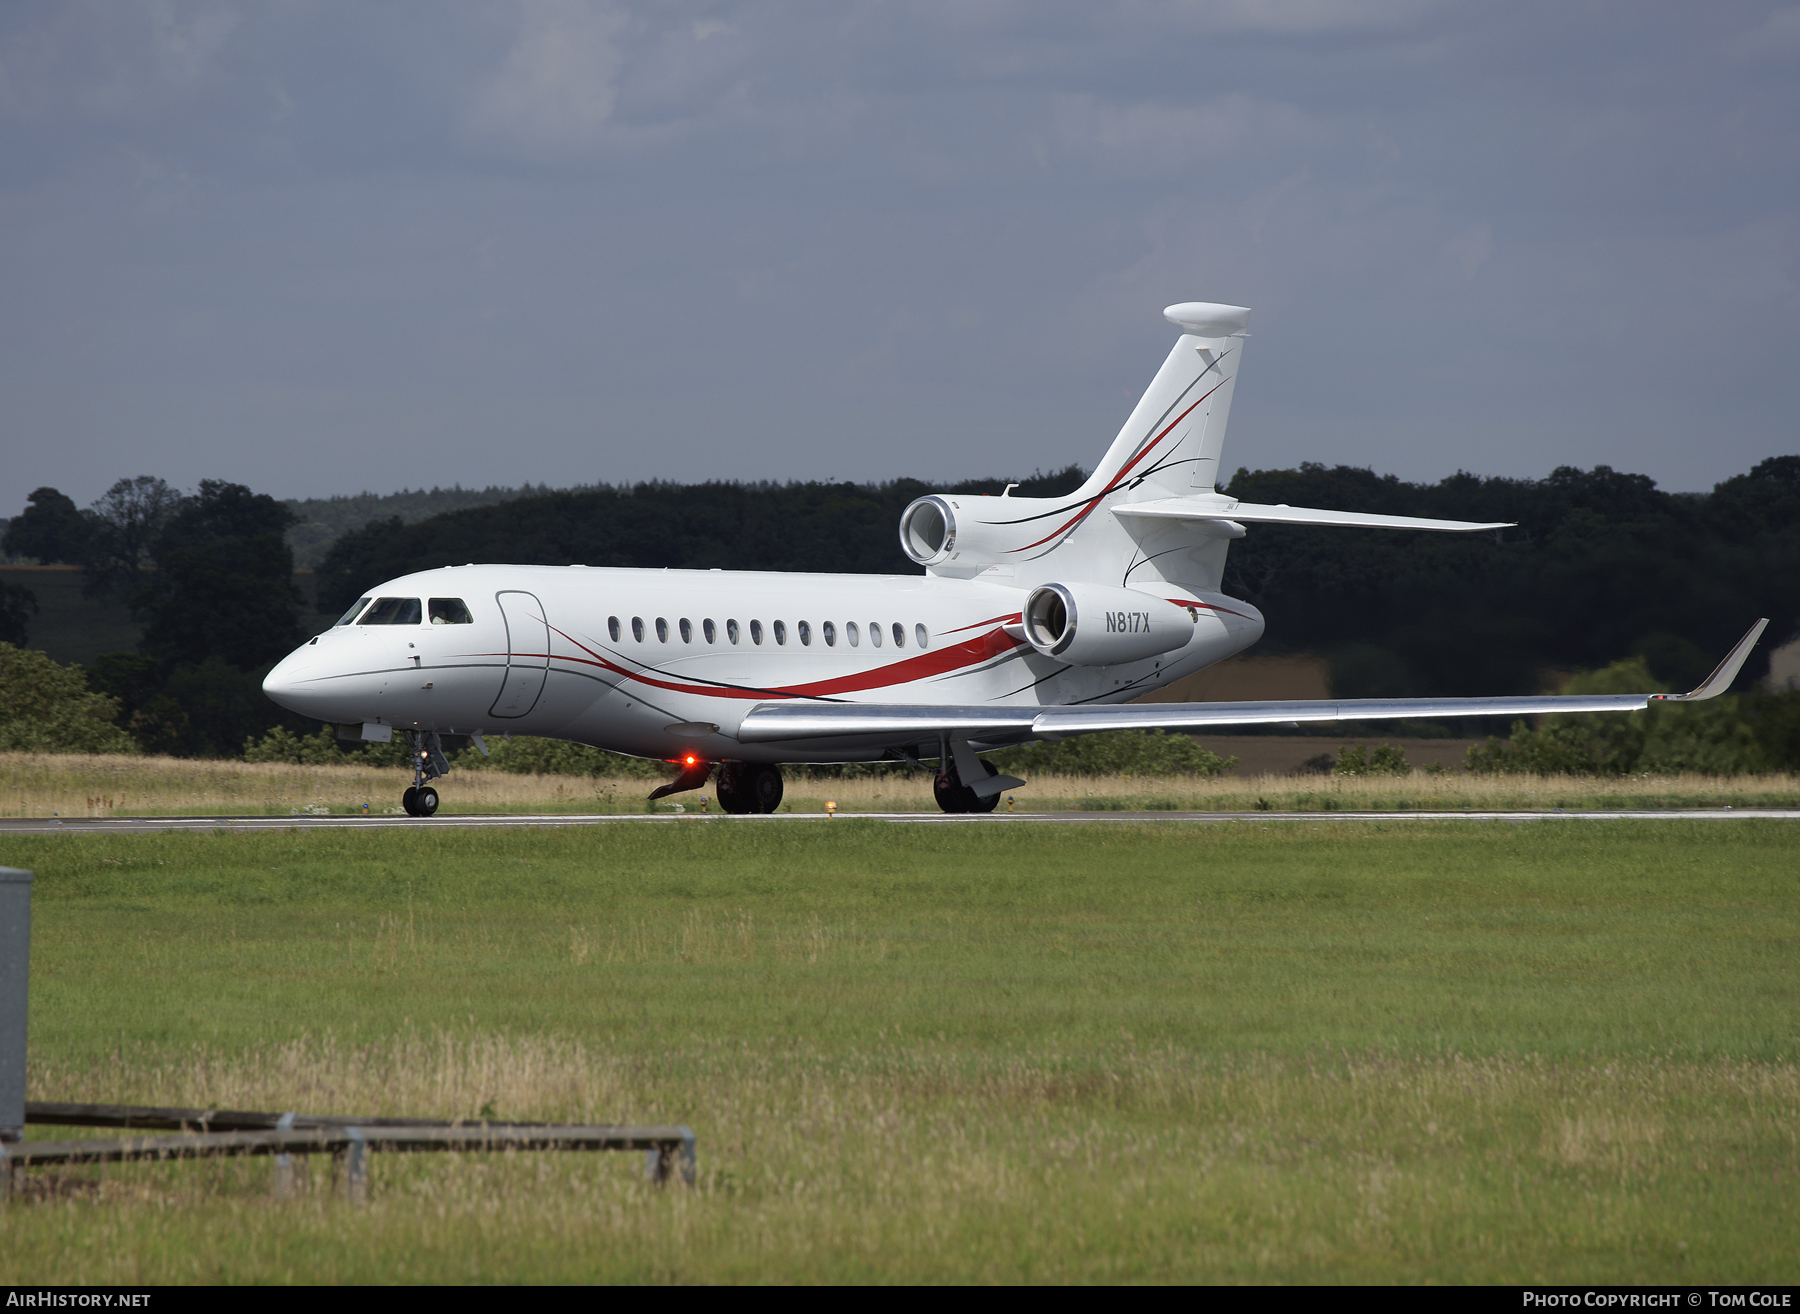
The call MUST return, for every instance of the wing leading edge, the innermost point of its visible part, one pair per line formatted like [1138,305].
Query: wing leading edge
[859,724]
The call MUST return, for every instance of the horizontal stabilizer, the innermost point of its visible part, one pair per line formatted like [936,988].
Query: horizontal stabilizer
[1251,513]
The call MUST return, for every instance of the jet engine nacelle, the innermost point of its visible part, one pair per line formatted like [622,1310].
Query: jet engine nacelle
[959,536]
[1095,625]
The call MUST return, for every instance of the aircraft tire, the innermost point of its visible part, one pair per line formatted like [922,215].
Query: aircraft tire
[409,801]
[425,803]
[954,796]
[949,793]
[733,788]
[765,787]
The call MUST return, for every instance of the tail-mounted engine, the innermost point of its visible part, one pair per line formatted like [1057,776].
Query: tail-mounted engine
[1094,625]
[959,536]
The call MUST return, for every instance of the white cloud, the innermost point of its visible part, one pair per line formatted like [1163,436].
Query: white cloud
[553,96]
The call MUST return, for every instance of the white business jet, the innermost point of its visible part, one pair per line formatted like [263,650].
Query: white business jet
[1036,618]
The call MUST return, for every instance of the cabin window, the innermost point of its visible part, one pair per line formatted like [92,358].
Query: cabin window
[780,631]
[852,633]
[805,628]
[899,635]
[350,615]
[637,628]
[392,611]
[612,627]
[874,634]
[921,636]
[710,630]
[662,630]
[449,611]
[731,630]
[687,630]
[830,632]
[755,631]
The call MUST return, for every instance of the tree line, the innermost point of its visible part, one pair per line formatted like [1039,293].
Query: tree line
[208,574]
[1602,567]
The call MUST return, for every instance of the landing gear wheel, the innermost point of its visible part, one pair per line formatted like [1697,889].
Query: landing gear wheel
[765,787]
[746,787]
[409,800]
[954,796]
[425,802]
[733,787]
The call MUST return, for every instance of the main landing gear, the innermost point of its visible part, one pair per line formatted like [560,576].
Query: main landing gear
[428,762]
[954,796]
[746,787]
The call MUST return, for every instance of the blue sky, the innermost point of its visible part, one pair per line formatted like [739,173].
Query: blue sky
[322,247]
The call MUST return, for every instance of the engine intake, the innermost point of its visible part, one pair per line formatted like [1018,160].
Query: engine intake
[928,531]
[959,536]
[1094,625]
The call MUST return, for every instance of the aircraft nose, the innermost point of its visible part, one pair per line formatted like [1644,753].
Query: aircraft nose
[278,684]
[287,684]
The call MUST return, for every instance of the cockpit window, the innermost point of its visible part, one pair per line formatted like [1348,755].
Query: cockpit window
[350,615]
[392,611]
[450,611]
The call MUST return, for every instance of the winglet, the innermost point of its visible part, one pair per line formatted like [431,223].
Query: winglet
[1726,671]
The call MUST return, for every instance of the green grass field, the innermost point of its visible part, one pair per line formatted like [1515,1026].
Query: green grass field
[1450,1052]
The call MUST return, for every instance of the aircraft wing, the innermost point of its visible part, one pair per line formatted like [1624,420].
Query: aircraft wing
[867,724]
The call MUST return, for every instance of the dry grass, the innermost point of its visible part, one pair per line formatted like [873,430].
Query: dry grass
[42,785]
[909,1164]
[102,785]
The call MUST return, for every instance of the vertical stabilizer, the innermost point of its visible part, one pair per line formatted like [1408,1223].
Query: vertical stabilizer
[1177,430]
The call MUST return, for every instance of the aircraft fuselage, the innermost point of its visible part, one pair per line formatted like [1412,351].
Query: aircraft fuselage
[664,663]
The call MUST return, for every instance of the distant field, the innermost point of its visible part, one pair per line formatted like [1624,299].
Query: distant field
[1263,1052]
[40,785]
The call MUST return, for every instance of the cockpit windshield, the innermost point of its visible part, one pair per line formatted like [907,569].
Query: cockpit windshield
[392,611]
[350,615]
[450,611]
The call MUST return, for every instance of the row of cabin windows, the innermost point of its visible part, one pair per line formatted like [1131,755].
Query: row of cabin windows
[828,630]
[405,611]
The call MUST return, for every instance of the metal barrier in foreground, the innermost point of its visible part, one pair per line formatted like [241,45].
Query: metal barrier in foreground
[668,1150]
[211,1133]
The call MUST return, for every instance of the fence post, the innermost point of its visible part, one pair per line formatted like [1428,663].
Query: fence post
[664,1161]
[282,1183]
[356,1167]
[15,985]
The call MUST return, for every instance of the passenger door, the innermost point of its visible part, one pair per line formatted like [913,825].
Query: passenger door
[527,654]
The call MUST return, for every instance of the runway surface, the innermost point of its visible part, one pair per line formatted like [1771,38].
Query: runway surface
[150,825]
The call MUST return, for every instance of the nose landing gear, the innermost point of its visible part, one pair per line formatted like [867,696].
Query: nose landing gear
[429,763]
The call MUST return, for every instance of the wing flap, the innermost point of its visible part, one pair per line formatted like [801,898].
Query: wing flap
[882,723]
